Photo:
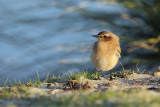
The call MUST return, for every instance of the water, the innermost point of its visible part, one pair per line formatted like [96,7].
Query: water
[49,36]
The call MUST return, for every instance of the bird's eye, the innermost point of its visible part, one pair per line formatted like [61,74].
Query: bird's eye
[105,36]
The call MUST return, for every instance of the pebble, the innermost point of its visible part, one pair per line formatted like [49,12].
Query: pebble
[156,73]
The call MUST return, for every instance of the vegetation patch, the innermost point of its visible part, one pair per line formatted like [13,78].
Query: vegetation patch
[84,74]
[123,74]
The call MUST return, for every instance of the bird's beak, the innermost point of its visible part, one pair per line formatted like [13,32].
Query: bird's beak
[94,36]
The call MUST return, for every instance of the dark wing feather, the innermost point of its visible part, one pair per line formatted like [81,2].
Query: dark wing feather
[119,50]
[95,46]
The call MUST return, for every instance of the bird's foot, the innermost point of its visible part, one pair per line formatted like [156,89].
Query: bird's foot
[111,78]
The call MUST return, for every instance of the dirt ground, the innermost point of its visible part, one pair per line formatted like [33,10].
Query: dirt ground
[140,81]
[135,80]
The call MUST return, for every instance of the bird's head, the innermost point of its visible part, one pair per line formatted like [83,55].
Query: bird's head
[106,36]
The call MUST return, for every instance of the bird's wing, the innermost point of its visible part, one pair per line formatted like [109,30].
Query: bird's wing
[95,46]
[94,51]
[118,50]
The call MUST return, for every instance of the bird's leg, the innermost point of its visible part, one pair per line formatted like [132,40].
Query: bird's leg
[99,73]
[110,75]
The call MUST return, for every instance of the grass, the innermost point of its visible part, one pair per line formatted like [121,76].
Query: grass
[73,76]
[31,83]
[35,83]
[15,89]
[109,98]
[52,79]
[123,74]
[84,74]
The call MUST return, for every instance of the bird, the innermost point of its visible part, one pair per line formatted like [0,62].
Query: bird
[105,52]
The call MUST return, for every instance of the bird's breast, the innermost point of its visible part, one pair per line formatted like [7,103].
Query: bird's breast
[107,62]
[104,57]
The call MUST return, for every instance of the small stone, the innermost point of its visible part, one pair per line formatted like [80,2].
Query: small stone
[156,73]
[49,85]
[86,86]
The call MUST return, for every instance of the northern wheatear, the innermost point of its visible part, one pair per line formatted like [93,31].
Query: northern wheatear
[106,51]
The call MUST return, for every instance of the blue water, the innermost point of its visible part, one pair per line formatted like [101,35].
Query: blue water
[49,36]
